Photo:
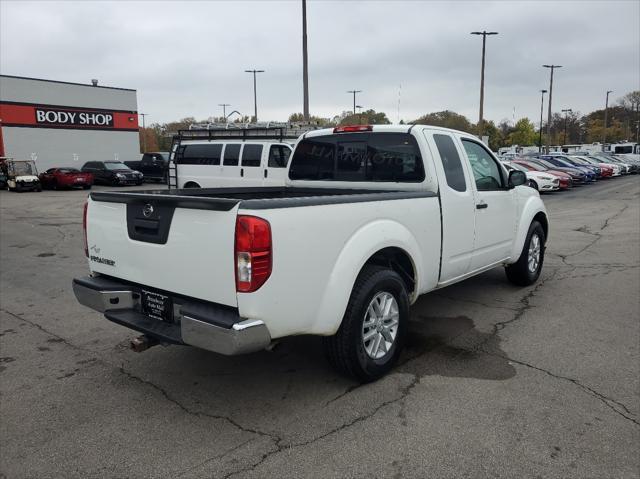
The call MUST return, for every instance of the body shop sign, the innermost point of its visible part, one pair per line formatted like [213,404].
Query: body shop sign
[80,118]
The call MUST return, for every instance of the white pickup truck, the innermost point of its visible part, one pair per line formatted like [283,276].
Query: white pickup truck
[371,218]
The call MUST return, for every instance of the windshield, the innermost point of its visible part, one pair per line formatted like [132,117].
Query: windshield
[112,165]
[69,170]
[20,168]
[547,164]
[534,166]
[516,166]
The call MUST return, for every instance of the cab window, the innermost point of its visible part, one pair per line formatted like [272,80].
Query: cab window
[451,162]
[486,171]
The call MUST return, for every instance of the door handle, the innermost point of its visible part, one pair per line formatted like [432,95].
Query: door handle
[482,205]
[265,173]
[242,172]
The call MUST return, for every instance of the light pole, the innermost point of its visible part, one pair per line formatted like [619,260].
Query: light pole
[541,109]
[552,67]
[567,111]
[354,98]
[144,133]
[224,108]
[484,44]
[606,111]
[255,93]
[305,66]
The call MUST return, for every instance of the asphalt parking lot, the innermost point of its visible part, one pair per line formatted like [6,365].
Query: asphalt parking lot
[497,381]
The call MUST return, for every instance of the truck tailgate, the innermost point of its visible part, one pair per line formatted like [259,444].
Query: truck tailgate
[162,245]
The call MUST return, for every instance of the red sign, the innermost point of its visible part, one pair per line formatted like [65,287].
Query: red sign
[31,115]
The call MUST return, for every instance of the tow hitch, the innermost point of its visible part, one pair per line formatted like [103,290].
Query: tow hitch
[142,343]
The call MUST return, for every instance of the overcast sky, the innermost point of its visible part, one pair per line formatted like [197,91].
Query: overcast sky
[185,58]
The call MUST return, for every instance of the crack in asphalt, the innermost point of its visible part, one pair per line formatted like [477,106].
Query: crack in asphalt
[46,331]
[280,446]
[614,405]
[480,303]
[213,458]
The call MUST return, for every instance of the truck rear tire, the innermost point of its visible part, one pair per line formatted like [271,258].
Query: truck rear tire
[527,269]
[373,328]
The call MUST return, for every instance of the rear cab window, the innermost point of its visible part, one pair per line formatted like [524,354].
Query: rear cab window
[358,157]
[451,162]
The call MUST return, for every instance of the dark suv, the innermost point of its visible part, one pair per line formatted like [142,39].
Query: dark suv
[113,173]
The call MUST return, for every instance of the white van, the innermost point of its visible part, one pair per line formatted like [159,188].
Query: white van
[231,162]
[223,156]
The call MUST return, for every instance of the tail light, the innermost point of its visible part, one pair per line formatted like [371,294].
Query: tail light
[253,253]
[352,128]
[84,229]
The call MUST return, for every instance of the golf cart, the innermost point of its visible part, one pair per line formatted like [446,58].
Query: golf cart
[21,175]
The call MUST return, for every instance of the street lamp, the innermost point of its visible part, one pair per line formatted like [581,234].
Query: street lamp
[484,43]
[541,109]
[354,98]
[567,111]
[552,67]
[224,108]
[255,93]
[305,66]
[606,111]
[144,133]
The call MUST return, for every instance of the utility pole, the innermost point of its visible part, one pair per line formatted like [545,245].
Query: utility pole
[541,110]
[144,133]
[224,109]
[255,93]
[305,66]
[359,107]
[552,67]
[606,111]
[354,98]
[484,44]
[567,111]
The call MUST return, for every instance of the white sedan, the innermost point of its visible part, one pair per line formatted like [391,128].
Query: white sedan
[538,180]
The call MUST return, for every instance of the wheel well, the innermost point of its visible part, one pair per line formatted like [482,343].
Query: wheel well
[542,219]
[191,184]
[399,261]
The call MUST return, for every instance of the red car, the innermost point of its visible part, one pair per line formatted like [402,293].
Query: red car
[66,178]
[565,179]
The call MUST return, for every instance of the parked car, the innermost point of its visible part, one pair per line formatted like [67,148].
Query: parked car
[625,168]
[22,175]
[564,179]
[589,168]
[153,165]
[66,178]
[338,252]
[577,177]
[537,180]
[231,162]
[606,171]
[557,162]
[112,173]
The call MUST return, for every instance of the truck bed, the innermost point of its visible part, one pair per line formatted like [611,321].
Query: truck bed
[224,199]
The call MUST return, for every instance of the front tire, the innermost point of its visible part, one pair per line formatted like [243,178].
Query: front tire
[533,184]
[373,328]
[527,269]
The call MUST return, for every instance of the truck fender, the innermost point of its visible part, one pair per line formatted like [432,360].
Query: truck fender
[532,207]
[358,249]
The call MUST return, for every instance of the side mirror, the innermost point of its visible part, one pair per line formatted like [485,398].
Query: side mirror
[516,178]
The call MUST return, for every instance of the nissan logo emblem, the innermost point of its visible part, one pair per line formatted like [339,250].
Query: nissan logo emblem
[147,210]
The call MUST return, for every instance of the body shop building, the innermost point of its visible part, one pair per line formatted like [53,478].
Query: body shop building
[66,124]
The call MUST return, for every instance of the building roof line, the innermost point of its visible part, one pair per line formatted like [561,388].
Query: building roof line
[67,82]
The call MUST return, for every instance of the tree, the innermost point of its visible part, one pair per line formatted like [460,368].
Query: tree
[316,120]
[524,133]
[446,119]
[368,117]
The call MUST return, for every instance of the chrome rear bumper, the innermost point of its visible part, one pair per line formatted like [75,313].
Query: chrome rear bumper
[208,326]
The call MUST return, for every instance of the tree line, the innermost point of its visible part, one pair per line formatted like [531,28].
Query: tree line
[623,124]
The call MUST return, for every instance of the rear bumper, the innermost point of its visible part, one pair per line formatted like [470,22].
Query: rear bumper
[204,325]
